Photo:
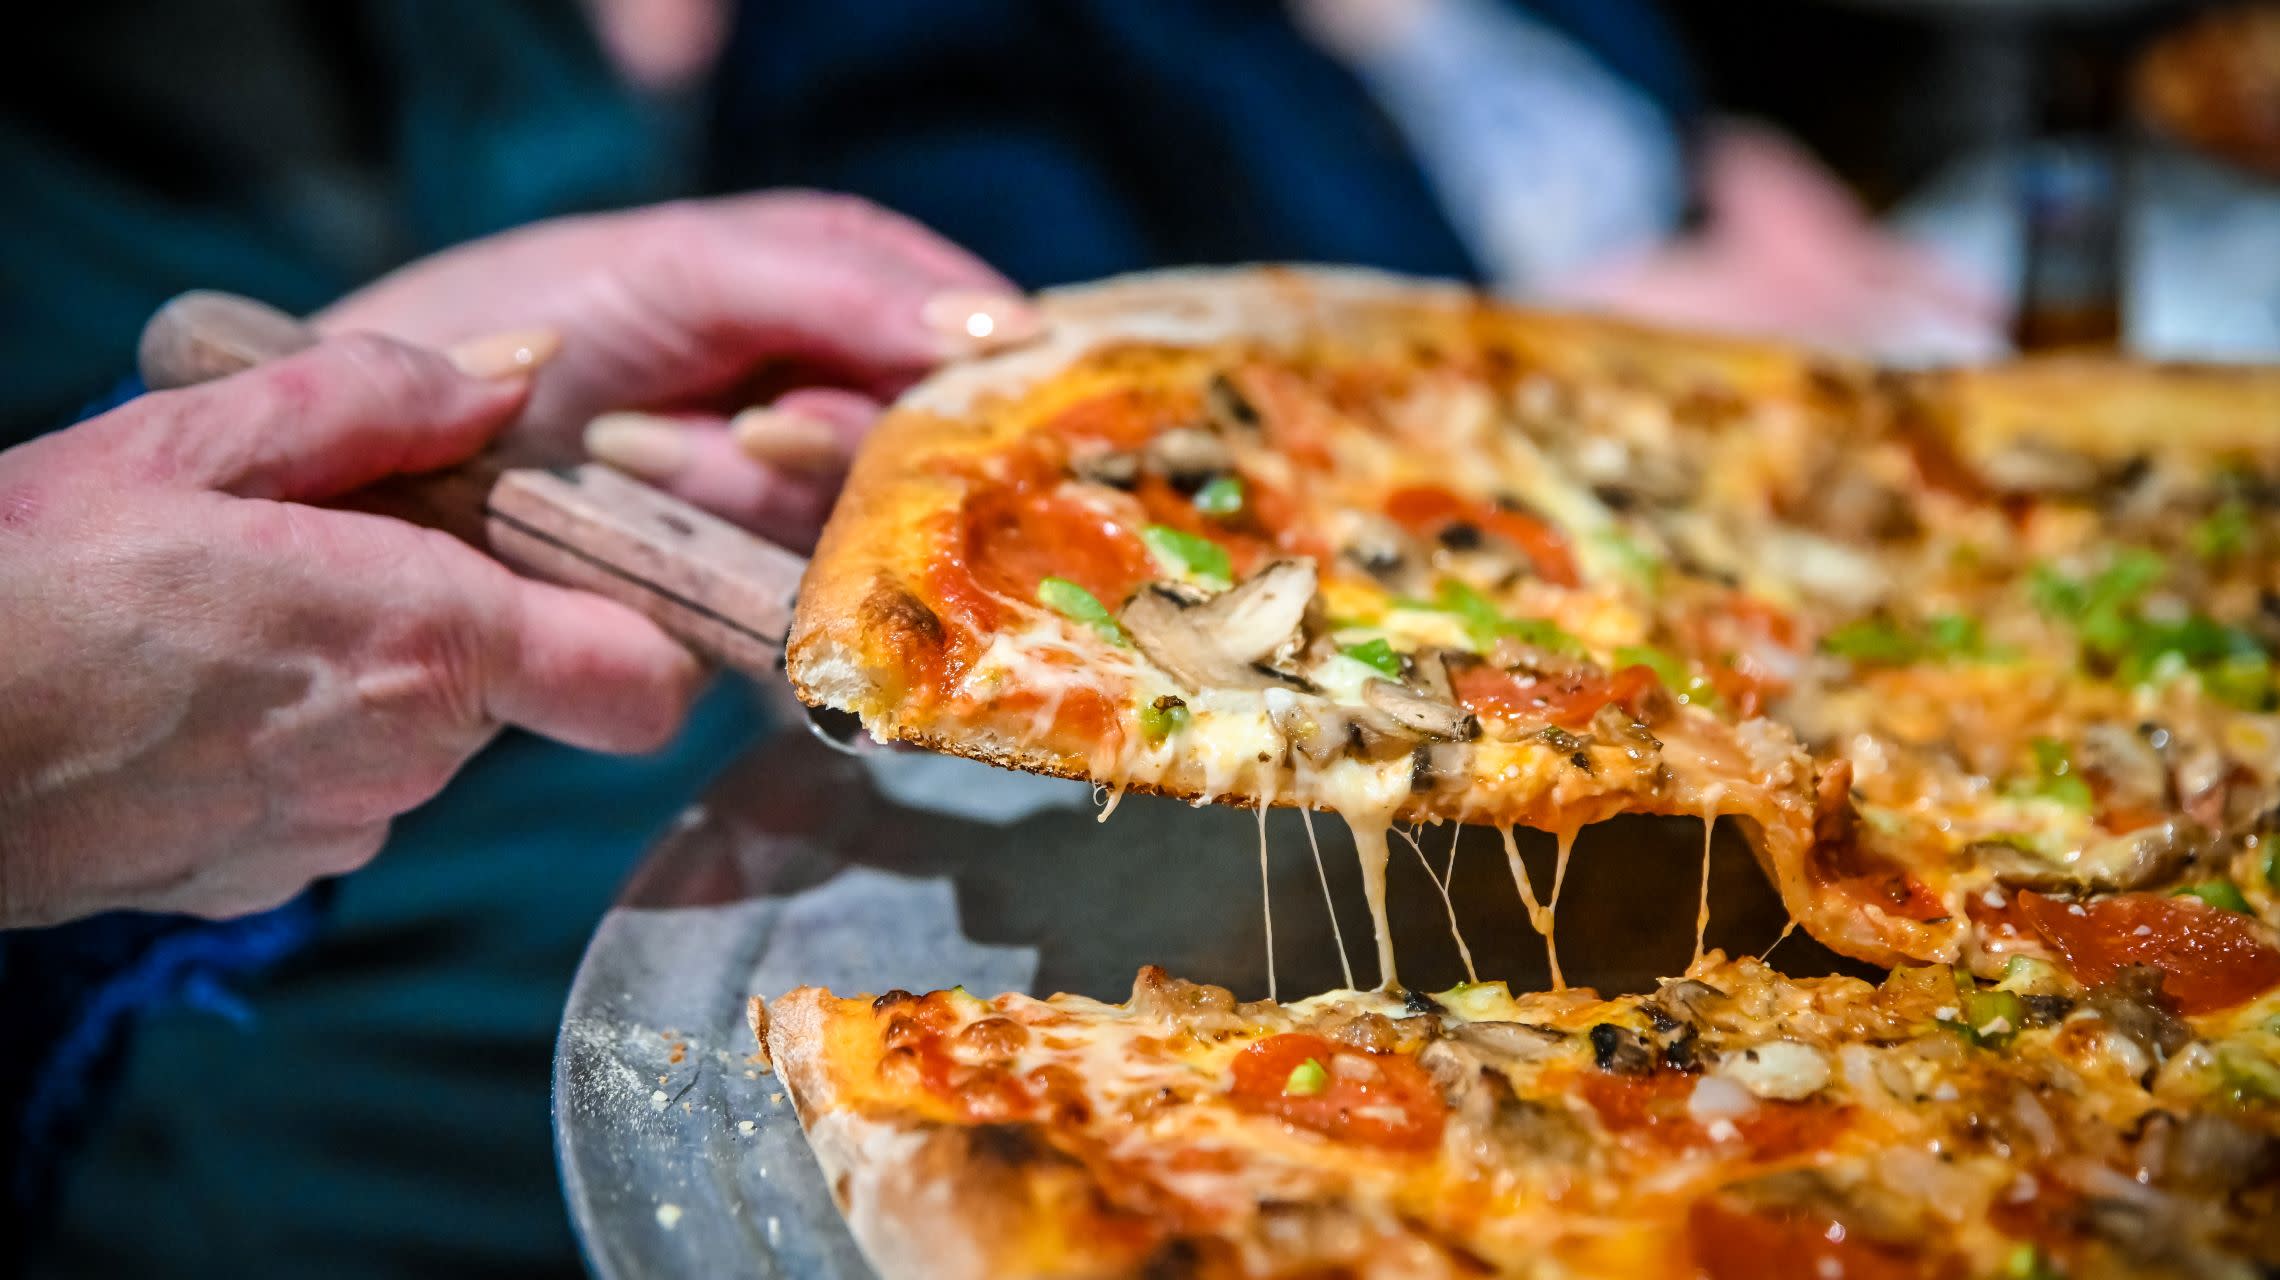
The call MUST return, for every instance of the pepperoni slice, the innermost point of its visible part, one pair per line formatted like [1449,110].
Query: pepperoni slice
[1427,512]
[2209,958]
[1380,1099]
[1731,1242]
[1568,699]
[1018,537]
[1654,1106]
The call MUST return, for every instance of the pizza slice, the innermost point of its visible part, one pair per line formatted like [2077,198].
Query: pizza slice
[2043,694]
[1731,1121]
[1966,651]
[1273,537]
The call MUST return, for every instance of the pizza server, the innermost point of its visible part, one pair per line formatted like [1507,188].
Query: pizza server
[723,592]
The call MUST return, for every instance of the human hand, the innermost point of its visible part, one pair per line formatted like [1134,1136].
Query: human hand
[697,310]
[1787,252]
[215,694]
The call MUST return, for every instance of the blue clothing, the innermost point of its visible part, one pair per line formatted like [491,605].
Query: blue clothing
[1066,140]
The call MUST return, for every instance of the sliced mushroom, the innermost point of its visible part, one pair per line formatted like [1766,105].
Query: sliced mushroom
[1426,717]
[1219,642]
[1620,1051]
[1681,1002]
[1258,618]
[1311,735]
[1428,672]
[2118,864]
[1321,731]
[1440,766]
[1227,406]
[1515,1041]
[2030,465]
[1116,468]
[1189,456]
[2211,1152]
[2126,761]
[2133,1005]
[1381,548]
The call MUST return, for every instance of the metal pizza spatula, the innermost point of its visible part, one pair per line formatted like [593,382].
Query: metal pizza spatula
[723,592]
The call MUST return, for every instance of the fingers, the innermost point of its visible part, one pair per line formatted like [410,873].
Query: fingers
[337,417]
[823,215]
[587,671]
[773,469]
[835,280]
[699,461]
[810,432]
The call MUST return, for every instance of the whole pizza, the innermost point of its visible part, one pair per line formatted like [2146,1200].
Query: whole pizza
[1980,661]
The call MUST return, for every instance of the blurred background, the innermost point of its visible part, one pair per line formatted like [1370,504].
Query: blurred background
[1917,180]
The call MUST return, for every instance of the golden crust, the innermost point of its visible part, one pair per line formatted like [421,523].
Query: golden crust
[2107,407]
[921,1195]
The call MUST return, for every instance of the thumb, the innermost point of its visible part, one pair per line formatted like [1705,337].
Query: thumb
[341,415]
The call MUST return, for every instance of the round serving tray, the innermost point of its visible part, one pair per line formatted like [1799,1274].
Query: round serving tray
[681,1156]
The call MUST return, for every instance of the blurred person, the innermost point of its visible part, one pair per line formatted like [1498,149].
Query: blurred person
[378,1095]
[1570,186]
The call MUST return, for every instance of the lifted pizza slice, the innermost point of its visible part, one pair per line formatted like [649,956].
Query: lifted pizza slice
[1282,538]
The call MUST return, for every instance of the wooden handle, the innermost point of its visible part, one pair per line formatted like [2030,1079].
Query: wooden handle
[709,584]
[718,589]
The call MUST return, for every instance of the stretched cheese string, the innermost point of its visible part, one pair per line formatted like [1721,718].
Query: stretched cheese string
[1441,883]
[1786,930]
[1566,838]
[1345,965]
[1702,909]
[1371,851]
[1116,792]
[1538,918]
[1266,894]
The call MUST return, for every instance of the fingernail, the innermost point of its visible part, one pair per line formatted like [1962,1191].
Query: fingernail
[971,321]
[789,441]
[638,444]
[505,355]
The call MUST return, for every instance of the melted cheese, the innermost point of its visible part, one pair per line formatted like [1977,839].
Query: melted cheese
[1329,903]
[1266,892]
[1566,838]
[1702,905]
[1370,828]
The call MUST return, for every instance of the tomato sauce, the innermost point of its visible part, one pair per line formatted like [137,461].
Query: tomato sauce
[1293,416]
[1426,511]
[1379,1099]
[1731,1242]
[972,1068]
[1883,884]
[1124,418]
[1568,699]
[1248,540]
[1729,641]
[2209,958]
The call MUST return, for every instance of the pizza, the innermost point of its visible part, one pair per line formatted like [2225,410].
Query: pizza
[1980,659]
[1733,1123]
